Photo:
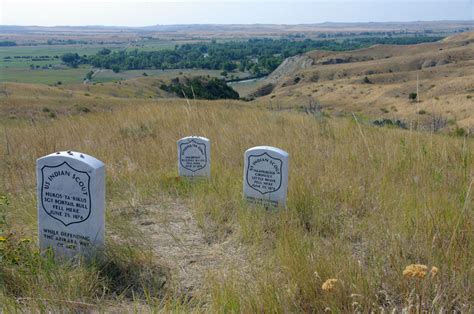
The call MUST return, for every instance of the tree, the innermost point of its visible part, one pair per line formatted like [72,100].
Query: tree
[104,52]
[71,59]
[89,75]
[116,69]
[412,96]
[229,66]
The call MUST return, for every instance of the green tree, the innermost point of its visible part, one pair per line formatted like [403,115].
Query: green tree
[89,75]
[229,66]
[104,52]
[71,59]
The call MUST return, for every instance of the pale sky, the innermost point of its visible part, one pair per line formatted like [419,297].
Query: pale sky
[153,12]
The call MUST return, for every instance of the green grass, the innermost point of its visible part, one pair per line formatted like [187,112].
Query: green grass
[108,75]
[18,69]
[36,51]
[50,50]
[39,76]
[76,76]
[153,45]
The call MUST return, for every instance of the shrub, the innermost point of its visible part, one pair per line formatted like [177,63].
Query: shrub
[460,131]
[89,75]
[84,109]
[104,52]
[201,88]
[266,89]
[71,59]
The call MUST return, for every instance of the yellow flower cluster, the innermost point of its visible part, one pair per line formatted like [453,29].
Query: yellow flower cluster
[419,271]
[329,285]
[415,271]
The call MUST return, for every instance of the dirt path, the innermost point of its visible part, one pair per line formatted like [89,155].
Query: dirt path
[177,240]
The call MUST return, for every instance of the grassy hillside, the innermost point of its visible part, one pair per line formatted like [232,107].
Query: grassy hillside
[363,203]
[377,81]
[22,103]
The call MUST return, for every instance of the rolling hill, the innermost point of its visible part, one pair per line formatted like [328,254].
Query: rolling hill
[365,204]
[377,81]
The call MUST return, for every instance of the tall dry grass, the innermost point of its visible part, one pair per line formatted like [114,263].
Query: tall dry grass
[363,203]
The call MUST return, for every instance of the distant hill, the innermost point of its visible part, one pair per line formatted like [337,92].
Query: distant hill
[377,81]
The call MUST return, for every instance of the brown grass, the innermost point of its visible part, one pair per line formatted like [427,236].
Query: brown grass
[445,70]
[357,217]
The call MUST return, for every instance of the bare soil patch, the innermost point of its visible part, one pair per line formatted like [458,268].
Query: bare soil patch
[177,240]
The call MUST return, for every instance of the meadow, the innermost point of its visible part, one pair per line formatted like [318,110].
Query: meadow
[16,62]
[363,203]
[378,219]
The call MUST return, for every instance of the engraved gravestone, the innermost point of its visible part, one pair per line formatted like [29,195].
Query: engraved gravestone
[194,154]
[266,176]
[71,203]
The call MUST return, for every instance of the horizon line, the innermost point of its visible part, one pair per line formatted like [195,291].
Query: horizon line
[240,24]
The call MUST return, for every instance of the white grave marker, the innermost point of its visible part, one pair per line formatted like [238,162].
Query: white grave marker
[71,203]
[194,157]
[266,176]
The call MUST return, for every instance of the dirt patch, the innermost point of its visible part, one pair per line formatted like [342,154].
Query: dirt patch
[290,66]
[177,240]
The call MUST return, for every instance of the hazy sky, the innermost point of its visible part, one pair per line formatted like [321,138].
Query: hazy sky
[152,12]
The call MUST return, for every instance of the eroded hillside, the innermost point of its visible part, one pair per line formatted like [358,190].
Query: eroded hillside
[377,81]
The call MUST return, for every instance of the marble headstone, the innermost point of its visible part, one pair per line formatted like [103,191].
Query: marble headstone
[71,203]
[194,157]
[266,176]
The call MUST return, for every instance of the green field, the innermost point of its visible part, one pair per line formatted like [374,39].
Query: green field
[52,76]
[37,51]
[57,50]
[109,75]
[76,76]
[14,67]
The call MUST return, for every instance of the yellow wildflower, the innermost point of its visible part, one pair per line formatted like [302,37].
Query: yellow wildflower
[3,239]
[415,271]
[434,271]
[329,285]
